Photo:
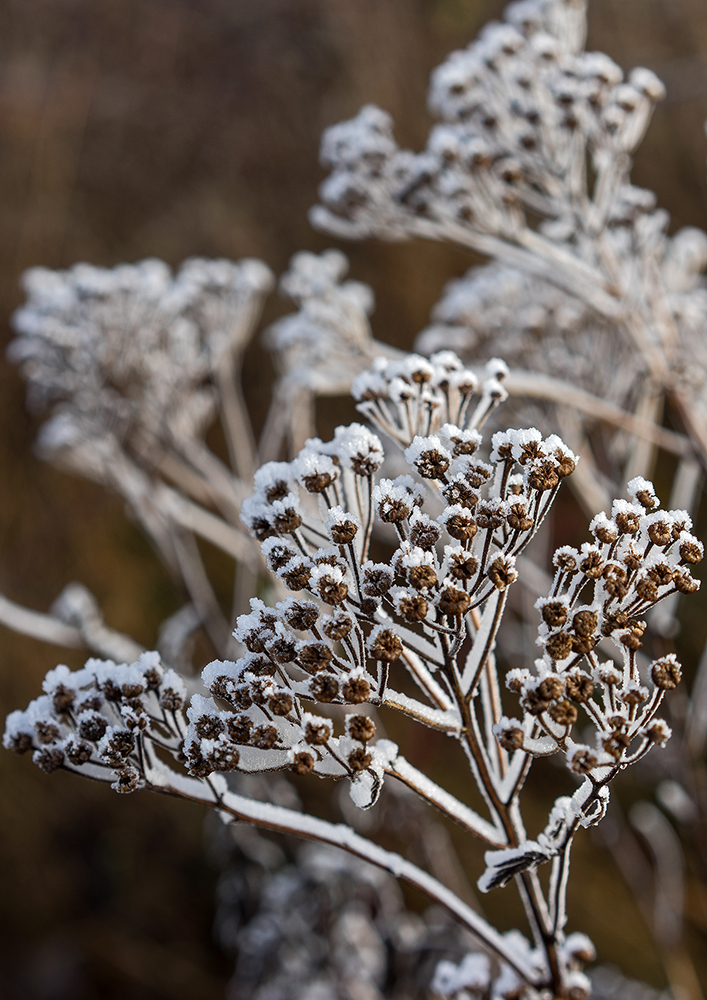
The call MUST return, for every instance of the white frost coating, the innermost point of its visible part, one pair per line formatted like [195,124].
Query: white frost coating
[473,972]
[421,445]
[460,813]
[274,817]
[484,631]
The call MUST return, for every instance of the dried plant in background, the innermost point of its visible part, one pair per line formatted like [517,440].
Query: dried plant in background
[595,310]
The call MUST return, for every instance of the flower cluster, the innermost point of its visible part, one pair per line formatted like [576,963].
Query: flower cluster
[456,545]
[103,721]
[416,396]
[535,326]
[596,609]
[521,109]
[328,340]
[130,351]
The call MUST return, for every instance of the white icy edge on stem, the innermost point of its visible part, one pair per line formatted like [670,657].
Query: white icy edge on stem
[446,721]
[478,650]
[445,802]
[233,806]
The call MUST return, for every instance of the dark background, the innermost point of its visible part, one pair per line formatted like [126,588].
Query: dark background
[133,128]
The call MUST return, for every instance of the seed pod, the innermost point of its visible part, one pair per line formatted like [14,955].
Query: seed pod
[314,656]
[579,686]
[559,646]
[666,673]
[356,690]
[302,763]
[502,572]
[263,737]
[453,601]
[338,626]
[554,613]
[239,727]
[324,688]
[360,727]
[209,727]
[359,759]
[511,739]
[280,703]
[49,759]
[384,645]
[563,713]
[301,615]
[317,733]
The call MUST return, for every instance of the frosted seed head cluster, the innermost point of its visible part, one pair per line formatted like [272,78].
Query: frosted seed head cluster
[324,345]
[417,398]
[517,107]
[599,599]
[101,721]
[132,350]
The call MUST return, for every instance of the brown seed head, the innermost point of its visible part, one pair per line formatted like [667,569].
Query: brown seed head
[239,727]
[314,656]
[691,552]
[563,712]
[302,615]
[385,646]
[425,535]
[659,533]
[461,526]
[463,565]
[554,613]
[511,739]
[583,761]
[453,601]
[421,577]
[302,763]
[50,759]
[360,727]
[551,687]
[685,583]
[317,733]
[579,686]
[432,464]
[280,703]
[324,688]
[263,737]
[412,608]
[356,690]
[46,732]
[627,522]
[543,476]
[501,572]
[62,699]
[666,673]
[559,646]
[287,521]
[338,626]
[359,759]
[344,532]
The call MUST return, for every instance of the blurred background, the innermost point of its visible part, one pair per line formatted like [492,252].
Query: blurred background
[169,128]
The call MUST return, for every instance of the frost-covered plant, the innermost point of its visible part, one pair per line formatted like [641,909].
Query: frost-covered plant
[134,364]
[358,631]
[599,311]
[328,926]
[530,164]
[320,349]
[401,574]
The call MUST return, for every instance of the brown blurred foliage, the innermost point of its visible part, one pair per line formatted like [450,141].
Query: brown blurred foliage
[133,128]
